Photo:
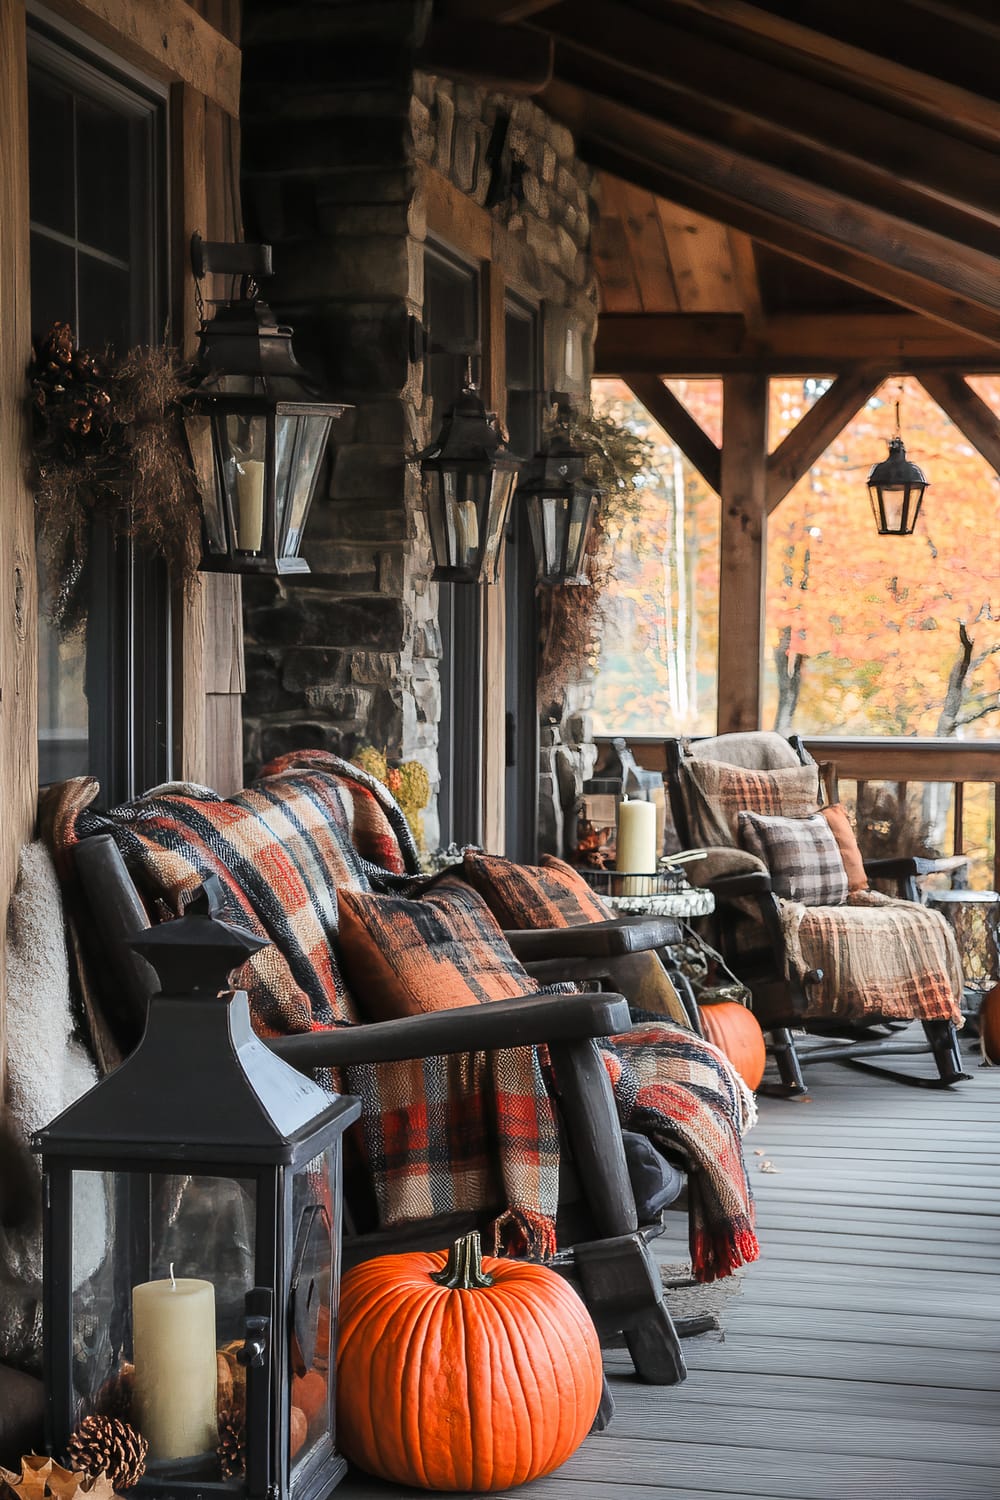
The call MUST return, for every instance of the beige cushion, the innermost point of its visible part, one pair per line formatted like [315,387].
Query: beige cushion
[756,750]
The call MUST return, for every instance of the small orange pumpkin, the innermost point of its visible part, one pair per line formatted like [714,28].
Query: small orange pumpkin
[459,1372]
[298,1430]
[989,1025]
[309,1393]
[736,1032]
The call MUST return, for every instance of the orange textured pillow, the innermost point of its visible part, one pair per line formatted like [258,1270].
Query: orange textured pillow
[407,957]
[551,894]
[840,827]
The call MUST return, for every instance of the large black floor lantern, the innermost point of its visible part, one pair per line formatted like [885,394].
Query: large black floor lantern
[256,426]
[192,1242]
[561,504]
[469,477]
[896,489]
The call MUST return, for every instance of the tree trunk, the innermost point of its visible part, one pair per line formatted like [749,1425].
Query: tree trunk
[788,671]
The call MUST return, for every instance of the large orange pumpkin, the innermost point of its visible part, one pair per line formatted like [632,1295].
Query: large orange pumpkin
[736,1032]
[989,1025]
[459,1372]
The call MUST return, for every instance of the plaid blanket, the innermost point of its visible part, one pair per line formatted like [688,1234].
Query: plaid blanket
[880,957]
[472,1132]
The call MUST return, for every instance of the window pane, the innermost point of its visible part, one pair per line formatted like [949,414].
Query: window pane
[104,305]
[103,185]
[51,159]
[53,284]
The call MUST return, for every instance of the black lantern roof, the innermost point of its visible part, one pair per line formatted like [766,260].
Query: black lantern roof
[469,434]
[200,1086]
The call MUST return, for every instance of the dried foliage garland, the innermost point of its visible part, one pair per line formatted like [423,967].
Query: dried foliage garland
[108,446]
[570,615]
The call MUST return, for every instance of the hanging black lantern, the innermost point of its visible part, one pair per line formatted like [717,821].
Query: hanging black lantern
[256,427]
[561,503]
[470,477]
[192,1242]
[896,489]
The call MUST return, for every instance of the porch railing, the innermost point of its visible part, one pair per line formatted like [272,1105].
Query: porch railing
[903,761]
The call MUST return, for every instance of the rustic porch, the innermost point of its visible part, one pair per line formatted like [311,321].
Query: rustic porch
[861,1356]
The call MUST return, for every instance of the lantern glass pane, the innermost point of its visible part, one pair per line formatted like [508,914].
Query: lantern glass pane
[244,469]
[313,1310]
[161,1265]
[497,505]
[894,505]
[458,500]
[198,429]
[300,442]
[555,510]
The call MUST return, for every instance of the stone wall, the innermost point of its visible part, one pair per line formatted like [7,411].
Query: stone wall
[338,128]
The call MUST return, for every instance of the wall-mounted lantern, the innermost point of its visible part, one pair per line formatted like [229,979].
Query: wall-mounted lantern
[256,426]
[896,489]
[200,1182]
[469,479]
[561,503]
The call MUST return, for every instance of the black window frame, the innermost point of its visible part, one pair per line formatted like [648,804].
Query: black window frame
[130,729]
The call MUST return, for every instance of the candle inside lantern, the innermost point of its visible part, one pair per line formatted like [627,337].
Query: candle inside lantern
[250,502]
[173,1333]
[635,848]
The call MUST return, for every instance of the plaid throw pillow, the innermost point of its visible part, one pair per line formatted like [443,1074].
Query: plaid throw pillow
[801,855]
[403,957]
[551,894]
[717,793]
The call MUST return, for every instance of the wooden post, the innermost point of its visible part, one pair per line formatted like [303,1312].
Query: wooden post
[18,592]
[743,560]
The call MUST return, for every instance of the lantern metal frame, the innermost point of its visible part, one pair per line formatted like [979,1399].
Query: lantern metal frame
[256,495]
[896,476]
[201,1097]
[561,503]
[470,476]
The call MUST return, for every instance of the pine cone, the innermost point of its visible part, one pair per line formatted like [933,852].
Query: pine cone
[108,1445]
[232,1443]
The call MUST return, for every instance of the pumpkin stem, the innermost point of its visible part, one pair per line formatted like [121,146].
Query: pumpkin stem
[464,1268]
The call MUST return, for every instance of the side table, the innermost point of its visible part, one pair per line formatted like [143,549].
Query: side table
[684,904]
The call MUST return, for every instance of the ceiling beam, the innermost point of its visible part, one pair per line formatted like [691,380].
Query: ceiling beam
[969,412]
[813,434]
[501,11]
[679,425]
[510,58]
[747,283]
[773,112]
[884,73]
[787,343]
[911,267]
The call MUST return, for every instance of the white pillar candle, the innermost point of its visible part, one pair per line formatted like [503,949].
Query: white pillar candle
[250,501]
[173,1340]
[635,849]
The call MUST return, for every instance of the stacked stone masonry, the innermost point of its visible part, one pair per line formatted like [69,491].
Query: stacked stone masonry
[339,129]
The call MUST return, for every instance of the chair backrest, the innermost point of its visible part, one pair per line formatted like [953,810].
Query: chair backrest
[751,750]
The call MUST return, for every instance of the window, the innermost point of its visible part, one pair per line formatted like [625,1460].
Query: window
[97,182]
[451,322]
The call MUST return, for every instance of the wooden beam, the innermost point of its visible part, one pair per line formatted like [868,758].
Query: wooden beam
[511,59]
[18,590]
[169,39]
[790,344]
[881,70]
[638,266]
[747,282]
[743,552]
[501,11]
[969,412]
[679,425]
[778,214]
[814,433]
[777,114]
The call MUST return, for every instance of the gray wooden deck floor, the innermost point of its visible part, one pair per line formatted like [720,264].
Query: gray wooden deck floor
[861,1358]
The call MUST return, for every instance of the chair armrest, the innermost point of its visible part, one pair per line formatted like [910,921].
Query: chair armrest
[608,939]
[750,883]
[904,865]
[530,1020]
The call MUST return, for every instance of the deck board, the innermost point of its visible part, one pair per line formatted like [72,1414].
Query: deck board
[861,1356]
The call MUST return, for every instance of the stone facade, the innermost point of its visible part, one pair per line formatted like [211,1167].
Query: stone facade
[338,132]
